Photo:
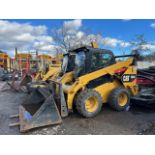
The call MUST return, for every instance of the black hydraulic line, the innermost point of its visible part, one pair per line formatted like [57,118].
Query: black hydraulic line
[123,56]
[144,72]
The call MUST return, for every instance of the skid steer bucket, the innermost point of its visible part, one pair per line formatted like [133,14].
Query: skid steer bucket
[46,114]
[41,109]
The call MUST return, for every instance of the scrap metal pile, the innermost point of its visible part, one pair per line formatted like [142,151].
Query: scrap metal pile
[146,77]
[146,82]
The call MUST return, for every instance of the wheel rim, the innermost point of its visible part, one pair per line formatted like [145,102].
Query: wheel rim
[122,99]
[91,104]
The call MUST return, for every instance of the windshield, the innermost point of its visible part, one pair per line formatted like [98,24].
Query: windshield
[72,61]
[64,63]
[80,59]
[79,64]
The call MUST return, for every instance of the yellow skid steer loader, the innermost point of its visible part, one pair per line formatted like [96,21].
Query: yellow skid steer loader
[89,78]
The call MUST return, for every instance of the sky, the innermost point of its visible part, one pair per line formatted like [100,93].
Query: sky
[116,35]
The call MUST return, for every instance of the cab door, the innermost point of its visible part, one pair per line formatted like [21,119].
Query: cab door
[101,59]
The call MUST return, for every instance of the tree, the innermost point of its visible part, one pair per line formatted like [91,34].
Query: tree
[65,38]
[60,38]
[140,43]
[143,47]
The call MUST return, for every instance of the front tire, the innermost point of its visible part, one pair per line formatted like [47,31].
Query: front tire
[88,103]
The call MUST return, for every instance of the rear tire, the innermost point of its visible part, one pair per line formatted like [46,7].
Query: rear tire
[88,103]
[119,99]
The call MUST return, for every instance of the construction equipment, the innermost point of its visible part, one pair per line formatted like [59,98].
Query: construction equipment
[42,77]
[45,75]
[47,70]
[43,61]
[48,66]
[89,78]
[4,60]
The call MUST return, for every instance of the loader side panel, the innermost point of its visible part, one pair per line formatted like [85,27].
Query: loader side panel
[106,88]
[129,80]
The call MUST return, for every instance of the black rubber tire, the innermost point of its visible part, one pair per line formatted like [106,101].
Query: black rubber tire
[80,103]
[113,99]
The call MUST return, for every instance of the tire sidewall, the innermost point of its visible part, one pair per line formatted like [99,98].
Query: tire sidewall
[113,99]
[82,97]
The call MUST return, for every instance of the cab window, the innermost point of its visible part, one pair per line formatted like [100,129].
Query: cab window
[106,59]
[79,69]
[80,59]
[101,60]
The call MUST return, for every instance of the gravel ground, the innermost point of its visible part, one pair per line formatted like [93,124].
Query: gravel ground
[136,121]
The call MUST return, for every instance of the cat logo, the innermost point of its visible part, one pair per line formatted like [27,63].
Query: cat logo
[128,77]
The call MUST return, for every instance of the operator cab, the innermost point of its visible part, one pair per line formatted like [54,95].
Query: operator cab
[85,60]
[68,63]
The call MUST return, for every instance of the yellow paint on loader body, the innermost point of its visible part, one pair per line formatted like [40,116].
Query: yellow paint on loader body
[53,71]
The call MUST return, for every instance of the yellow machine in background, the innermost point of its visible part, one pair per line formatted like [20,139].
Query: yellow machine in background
[57,59]
[43,61]
[4,60]
[48,66]
[51,70]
